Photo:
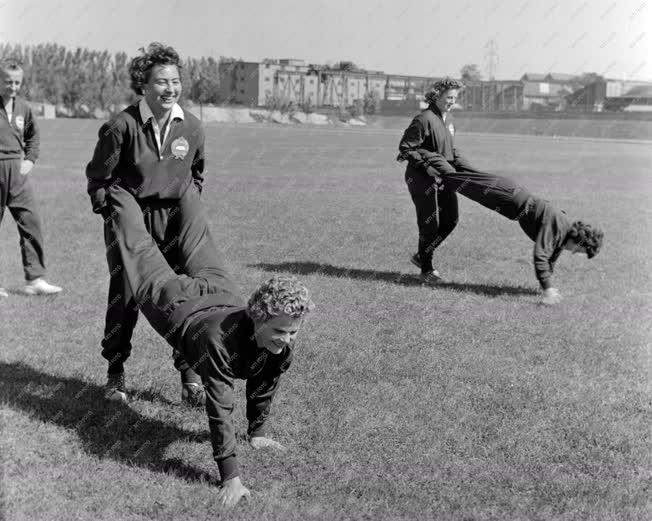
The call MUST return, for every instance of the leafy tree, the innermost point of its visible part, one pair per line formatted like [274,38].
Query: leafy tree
[347,66]
[371,102]
[470,72]
[206,89]
[587,78]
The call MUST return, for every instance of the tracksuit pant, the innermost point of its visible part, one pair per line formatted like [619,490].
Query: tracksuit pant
[153,284]
[17,195]
[437,213]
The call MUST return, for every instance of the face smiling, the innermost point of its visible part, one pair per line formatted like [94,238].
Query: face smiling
[12,79]
[446,101]
[574,247]
[162,89]
[277,333]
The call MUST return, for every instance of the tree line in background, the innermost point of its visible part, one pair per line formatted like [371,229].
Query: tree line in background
[85,82]
[82,81]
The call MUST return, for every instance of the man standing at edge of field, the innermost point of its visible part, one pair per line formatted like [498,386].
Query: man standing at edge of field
[437,211]
[155,150]
[549,228]
[19,149]
[203,316]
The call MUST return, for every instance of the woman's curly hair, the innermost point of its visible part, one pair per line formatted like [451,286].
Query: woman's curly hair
[278,295]
[441,86]
[587,236]
[141,66]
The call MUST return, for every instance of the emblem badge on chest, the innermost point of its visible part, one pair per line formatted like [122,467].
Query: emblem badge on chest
[451,129]
[20,122]
[180,148]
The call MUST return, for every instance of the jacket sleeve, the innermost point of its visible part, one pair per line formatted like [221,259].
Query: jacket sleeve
[437,161]
[217,377]
[99,172]
[411,149]
[545,244]
[260,392]
[198,162]
[31,136]
[460,162]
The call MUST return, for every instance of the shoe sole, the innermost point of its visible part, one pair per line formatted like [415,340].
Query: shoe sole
[116,396]
[35,293]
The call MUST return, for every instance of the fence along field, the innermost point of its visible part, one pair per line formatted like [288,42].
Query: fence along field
[463,402]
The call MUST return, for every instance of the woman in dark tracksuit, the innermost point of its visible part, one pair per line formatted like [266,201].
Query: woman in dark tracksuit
[155,150]
[549,227]
[202,316]
[436,172]
[432,131]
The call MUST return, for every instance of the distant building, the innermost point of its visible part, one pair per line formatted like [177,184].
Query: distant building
[242,82]
[401,87]
[343,87]
[547,91]
[492,96]
[637,99]
[254,83]
[291,79]
[611,95]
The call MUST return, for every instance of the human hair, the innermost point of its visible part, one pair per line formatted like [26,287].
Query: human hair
[141,66]
[441,86]
[587,236]
[10,64]
[280,294]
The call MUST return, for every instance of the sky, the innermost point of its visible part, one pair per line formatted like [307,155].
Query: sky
[418,37]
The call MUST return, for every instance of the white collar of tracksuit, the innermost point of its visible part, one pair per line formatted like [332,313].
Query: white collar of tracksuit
[146,114]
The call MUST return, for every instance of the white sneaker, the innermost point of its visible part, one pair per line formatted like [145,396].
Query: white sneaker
[114,389]
[3,293]
[40,287]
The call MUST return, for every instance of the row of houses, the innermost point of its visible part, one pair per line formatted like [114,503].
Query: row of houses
[253,83]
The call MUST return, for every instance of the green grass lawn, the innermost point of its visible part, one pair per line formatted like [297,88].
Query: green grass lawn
[465,402]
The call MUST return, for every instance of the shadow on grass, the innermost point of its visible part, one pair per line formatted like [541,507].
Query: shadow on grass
[106,429]
[313,268]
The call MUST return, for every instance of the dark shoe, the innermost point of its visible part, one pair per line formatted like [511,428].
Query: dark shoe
[431,278]
[416,260]
[193,394]
[115,389]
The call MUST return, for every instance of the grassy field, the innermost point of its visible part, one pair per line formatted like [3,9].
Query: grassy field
[465,402]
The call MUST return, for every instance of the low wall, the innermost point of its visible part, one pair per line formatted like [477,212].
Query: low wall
[596,127]
[593,116]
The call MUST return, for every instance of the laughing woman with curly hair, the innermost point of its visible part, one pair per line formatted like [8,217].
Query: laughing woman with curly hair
[154,149]
[203,317]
